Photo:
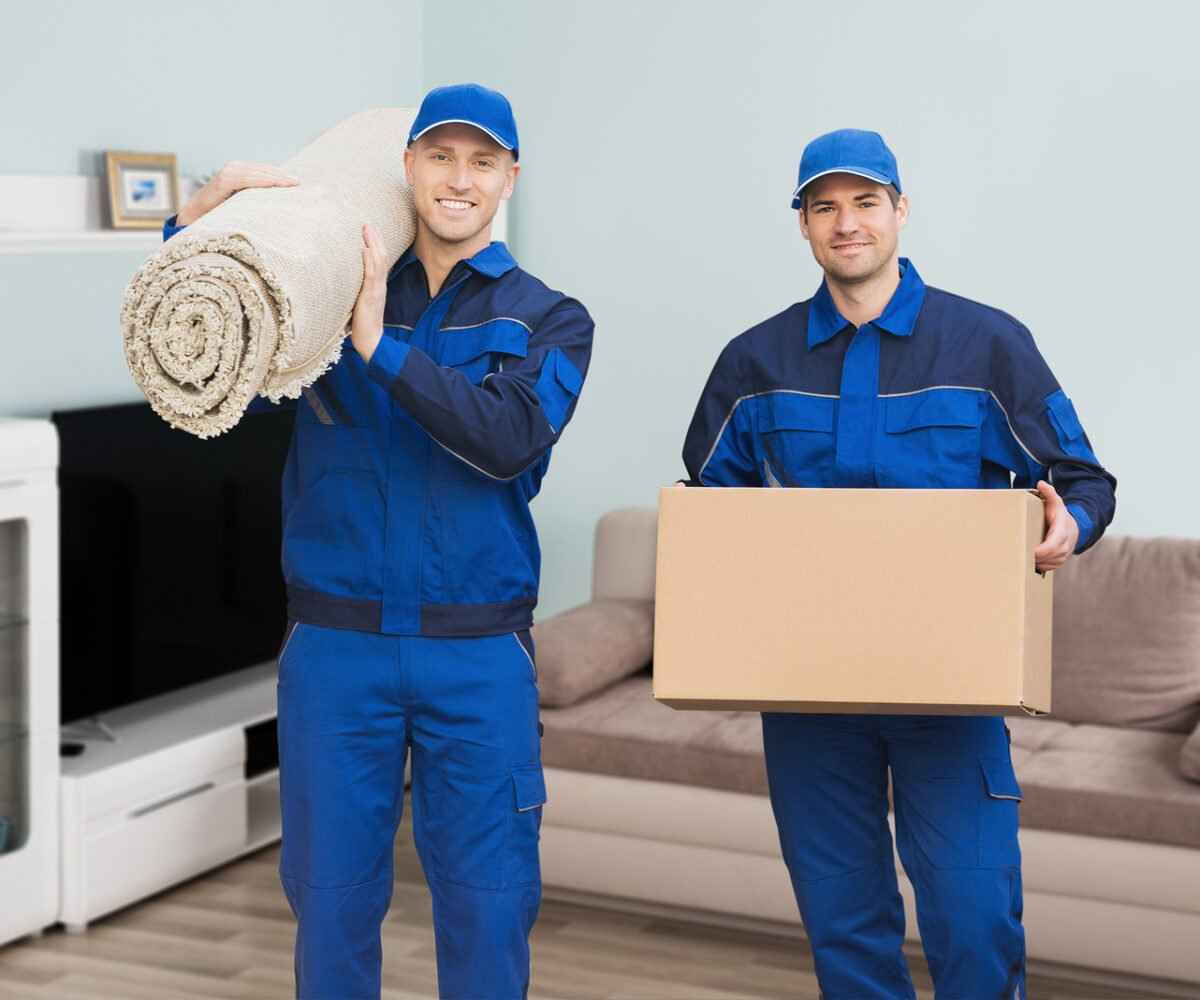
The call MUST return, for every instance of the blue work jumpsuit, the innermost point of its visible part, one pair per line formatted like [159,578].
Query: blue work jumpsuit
[411,563]
[938,392]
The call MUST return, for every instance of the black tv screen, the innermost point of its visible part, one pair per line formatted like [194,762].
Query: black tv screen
[170,553]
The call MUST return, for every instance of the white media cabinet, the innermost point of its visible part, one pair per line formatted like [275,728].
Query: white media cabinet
[169,797]
[28,677]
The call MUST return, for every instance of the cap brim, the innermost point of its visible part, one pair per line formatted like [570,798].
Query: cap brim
[856,171]
[460,121]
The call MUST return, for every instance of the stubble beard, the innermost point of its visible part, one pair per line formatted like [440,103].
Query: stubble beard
[859,271]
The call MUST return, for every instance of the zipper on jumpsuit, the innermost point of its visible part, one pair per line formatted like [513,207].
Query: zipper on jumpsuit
[429,323]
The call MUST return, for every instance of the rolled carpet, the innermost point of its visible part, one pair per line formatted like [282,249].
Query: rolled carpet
[255,297]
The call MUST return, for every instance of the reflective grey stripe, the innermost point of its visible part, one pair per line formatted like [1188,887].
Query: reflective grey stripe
[532,665]
[930,388]
[288,641]
[482,472]
[769,475]
[494,319]
[318,407]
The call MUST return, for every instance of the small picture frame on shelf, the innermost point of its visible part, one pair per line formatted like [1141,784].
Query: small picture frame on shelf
[143,188]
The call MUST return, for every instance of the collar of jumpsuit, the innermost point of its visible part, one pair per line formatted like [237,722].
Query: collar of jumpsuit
[491,262]
[899,316]
[858,400]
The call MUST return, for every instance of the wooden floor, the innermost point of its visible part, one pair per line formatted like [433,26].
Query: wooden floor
[228,935]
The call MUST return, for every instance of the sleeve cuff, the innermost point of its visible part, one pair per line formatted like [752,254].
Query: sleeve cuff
[387,360]
[1085,526]
[170,229]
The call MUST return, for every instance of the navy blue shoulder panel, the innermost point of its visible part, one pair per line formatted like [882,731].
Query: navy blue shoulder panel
[774,355]
[516,295]
[959,342]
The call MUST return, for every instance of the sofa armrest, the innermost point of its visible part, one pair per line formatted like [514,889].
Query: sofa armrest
[1189,756]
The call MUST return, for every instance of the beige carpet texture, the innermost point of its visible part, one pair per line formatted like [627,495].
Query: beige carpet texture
[255,297]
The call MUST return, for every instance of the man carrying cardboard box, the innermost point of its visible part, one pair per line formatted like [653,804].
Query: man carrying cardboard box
[881,381]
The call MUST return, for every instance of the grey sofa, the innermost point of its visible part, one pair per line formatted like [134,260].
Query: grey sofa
[666,806]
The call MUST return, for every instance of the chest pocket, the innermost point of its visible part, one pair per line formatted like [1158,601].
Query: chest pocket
[796,436]
[478,351]
[931,439]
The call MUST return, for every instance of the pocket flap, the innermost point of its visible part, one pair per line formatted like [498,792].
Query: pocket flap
[504,335]
[1063,416]
[1000,779]
[789,411]
[567,374]
[530,786]
[557,387]
[938,408]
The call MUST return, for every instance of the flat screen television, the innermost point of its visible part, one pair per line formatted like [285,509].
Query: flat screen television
[170,553]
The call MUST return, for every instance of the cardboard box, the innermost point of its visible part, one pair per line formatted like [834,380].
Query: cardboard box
[873,601]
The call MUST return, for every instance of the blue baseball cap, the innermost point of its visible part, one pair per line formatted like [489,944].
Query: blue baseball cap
[467,104]
[847,151]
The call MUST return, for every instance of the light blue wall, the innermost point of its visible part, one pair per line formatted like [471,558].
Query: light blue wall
[210,82]
[1047,148]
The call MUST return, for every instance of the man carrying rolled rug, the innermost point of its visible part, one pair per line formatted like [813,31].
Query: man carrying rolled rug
[881,381]
[411,564]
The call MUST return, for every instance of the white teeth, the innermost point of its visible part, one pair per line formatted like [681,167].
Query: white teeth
[457,205]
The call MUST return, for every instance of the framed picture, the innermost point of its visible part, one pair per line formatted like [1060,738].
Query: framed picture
[143,188]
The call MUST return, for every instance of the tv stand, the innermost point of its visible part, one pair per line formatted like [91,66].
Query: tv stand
[188,782]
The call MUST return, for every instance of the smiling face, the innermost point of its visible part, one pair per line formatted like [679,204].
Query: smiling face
[852,226]
[459,176]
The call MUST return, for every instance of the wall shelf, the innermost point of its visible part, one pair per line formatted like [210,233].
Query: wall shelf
[64,214]
[82,241]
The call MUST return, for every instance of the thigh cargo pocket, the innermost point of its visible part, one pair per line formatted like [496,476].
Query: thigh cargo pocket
[522,866]
[998,845]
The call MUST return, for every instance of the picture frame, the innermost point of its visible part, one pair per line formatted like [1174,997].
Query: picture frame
[143,188]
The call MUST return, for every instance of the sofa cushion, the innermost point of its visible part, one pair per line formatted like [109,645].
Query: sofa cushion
[623,731]
[1033,734]
[1189,756]
[1106,782]
[1093,780]
[587,648]
[1127,635]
